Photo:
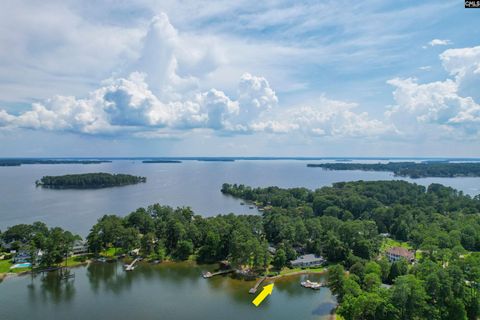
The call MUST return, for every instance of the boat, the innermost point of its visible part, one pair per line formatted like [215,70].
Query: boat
[311,285]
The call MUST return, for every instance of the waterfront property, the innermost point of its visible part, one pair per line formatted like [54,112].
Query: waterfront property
[21,257]
[396,253]
[308,260]
[80,247]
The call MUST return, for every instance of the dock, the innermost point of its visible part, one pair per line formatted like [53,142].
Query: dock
[255,287]
[312,285]
[131,266]
[208,274]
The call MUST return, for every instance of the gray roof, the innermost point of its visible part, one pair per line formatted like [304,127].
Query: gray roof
[307,258]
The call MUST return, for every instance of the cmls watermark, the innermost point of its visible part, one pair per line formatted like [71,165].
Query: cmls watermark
[472,3]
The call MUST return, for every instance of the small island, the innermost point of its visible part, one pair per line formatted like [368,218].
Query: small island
[439,169]
[89,181]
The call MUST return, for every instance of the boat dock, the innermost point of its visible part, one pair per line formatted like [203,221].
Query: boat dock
[209,274]
[255,287]
[131,266]
[312,285]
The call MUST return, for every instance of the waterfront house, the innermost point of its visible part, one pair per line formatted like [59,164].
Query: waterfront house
[308,260]
[21,257]
[80,247]
[396,253]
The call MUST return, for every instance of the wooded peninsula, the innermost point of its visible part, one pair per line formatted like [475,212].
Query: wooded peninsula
[19,162]
[351,224]
[411,169]
[89,180]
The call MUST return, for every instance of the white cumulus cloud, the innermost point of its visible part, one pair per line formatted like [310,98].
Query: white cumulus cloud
[128,105]
[439,42]
[451,104]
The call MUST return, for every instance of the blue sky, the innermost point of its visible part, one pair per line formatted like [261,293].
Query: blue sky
[276,78]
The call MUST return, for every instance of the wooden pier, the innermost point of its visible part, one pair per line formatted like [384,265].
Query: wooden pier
[131,266]
[208,274]
[255,287]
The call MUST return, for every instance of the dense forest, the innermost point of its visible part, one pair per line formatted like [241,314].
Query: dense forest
[19,162]
[346,223]
[55,243]
[89,180]
[411,169]
[343,223]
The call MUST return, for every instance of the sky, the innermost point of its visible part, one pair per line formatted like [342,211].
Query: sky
[239,78]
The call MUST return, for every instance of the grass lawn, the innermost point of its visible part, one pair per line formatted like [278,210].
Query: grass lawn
[110,252]
[389,243]
[5,267]
[74,261]
[293,270]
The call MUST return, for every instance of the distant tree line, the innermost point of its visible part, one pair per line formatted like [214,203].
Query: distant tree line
[411,169]
[89,180]
[19,162]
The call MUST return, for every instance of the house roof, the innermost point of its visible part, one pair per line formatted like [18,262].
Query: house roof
[399,251]
[307,258]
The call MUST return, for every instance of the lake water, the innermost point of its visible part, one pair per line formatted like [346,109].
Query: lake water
[165,291]
[190,183]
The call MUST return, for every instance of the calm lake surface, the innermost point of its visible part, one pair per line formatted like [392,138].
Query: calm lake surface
[190,183]
[165,291]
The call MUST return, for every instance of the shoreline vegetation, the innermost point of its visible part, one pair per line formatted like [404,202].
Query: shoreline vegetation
[89,181]
[350,224]
[161,161]
[414,170]
[19,162]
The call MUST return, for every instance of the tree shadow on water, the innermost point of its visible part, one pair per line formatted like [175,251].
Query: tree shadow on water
[51,288]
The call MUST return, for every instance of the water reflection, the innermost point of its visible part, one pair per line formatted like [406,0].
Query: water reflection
[50,287]
[110,277]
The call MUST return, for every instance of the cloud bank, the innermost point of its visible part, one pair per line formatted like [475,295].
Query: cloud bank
[447,108]
[159,93]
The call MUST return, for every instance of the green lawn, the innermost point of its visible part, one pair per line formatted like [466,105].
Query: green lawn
[110,252]
[5,267]
[293,270]
[75,261]
[388,243]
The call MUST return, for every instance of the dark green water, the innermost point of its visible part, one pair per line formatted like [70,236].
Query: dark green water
[166,291]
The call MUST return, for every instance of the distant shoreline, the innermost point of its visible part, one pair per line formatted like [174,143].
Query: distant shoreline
[414,170]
